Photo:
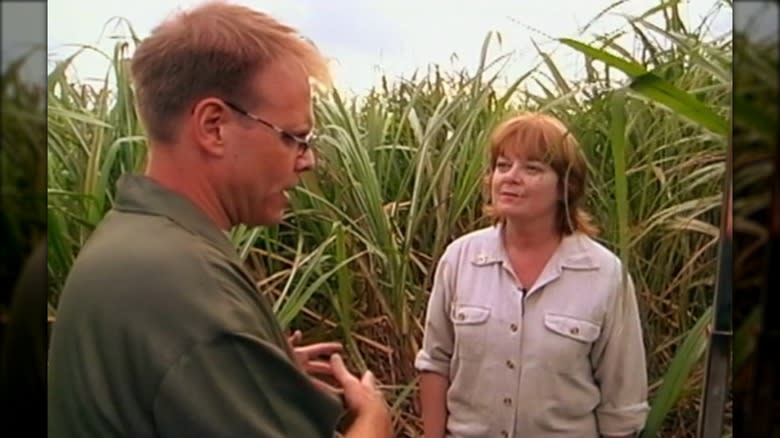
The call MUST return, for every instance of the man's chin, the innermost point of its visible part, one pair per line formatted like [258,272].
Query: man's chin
[273,218]
[266,219]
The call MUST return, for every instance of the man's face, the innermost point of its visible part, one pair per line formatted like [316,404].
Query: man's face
[262,164]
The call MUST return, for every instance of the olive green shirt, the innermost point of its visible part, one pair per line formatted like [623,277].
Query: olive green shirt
[161,332]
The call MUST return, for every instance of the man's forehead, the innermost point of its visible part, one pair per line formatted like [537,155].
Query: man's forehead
[285,78]
[302,128]
[284,92]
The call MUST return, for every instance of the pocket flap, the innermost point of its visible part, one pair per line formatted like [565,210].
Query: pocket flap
[470,314]
[578,329]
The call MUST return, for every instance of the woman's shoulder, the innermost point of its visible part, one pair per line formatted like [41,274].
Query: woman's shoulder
[483,241]
[599,251]
[486,235]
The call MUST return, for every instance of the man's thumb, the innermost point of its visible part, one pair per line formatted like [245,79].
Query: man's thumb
[295,338]
[369,380]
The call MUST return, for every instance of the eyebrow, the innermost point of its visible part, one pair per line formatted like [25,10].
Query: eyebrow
[301,132]
[303,129]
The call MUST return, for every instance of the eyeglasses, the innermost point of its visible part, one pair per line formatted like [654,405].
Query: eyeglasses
[303,143]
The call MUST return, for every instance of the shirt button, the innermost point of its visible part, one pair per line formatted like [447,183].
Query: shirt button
[513,327]
[461,316]
[574,330]
[510,364]
[508,401]
[504,433]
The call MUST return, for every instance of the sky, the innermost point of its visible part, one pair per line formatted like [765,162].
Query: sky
[364,38]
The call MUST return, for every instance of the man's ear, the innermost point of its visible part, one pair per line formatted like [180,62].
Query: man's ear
[207,124]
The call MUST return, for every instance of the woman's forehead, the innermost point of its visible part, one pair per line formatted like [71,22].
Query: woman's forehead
[524,152]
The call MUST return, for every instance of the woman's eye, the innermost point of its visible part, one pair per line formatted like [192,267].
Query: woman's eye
[535,167]
[502,165]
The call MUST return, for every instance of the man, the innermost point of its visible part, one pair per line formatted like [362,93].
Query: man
[160,331]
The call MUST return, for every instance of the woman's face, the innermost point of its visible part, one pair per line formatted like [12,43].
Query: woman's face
[524,189]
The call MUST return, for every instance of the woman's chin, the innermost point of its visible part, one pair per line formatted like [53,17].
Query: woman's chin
[509,211]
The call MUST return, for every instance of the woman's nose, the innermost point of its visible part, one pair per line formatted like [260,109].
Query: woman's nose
[516,173]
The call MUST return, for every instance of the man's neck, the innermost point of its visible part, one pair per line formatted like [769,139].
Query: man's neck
[180,175]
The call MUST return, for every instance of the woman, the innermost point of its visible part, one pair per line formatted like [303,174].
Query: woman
[531,330]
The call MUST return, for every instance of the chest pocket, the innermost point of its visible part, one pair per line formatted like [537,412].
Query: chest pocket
[470,324]
[570,339]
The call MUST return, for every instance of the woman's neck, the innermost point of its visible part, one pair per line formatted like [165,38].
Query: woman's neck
[530,237]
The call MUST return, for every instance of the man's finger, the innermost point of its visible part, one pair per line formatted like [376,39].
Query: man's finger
[320,349]
[324,386]
[340,371]
[368,380]
[319,367]
[295,338]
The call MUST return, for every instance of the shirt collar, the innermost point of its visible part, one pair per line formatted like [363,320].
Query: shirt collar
[572,253]
[141,194]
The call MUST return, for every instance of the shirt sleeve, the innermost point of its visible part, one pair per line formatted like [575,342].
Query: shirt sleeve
[241,386]
[438,337]
[620,366]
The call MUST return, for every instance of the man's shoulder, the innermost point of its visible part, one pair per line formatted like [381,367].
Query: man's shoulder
[147,261]
[137,244]
[148,268]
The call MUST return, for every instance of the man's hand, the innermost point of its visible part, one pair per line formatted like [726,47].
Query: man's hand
[314,360]
[372,415]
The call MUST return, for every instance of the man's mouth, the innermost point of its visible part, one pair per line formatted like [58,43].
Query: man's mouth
[287,191]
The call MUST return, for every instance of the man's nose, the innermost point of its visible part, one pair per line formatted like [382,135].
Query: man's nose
[307,161]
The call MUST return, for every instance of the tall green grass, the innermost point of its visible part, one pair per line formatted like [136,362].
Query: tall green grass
[399,177]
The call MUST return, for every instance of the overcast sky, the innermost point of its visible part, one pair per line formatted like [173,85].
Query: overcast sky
[394,36]
[398,35]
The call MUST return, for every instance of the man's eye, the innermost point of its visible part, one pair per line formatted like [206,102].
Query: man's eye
[289,139]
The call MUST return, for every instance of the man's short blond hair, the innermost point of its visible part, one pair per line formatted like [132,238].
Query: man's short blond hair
[213,50]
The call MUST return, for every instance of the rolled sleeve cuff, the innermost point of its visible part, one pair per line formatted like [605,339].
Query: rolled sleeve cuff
[622,421]
[424,362]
